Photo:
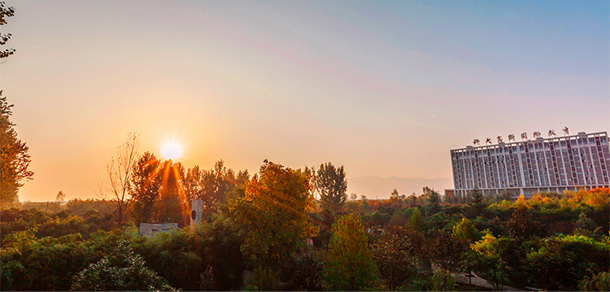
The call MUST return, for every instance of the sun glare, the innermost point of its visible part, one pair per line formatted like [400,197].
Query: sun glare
[171,150]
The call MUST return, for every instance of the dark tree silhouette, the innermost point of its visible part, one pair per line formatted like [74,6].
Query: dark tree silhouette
[120,170]
[4,13]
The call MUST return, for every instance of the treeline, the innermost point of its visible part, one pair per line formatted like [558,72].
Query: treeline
[294,229]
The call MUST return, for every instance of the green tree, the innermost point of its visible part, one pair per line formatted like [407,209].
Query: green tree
[14,156]
[442,281]
[221,243]
[560,262]
[488,262]
[273,213]
[433,201]
[330,182]
[465,230]
[349,266]
[214,186]
[417,221]
[476,203]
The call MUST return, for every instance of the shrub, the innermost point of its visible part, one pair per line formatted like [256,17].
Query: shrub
[123,270]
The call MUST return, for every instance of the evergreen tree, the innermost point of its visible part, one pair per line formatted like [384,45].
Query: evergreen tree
[417,221]
[433,200]
[330,182]
[476,203]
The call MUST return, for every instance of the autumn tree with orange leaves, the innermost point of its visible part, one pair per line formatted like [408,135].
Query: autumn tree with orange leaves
[273,214]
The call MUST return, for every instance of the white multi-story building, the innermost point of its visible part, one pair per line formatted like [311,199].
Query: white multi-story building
[539,165]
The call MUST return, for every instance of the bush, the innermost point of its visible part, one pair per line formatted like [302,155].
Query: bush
[123,270]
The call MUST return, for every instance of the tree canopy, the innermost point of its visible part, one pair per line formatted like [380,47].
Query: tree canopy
[274,213]
[331,184]
[14,157]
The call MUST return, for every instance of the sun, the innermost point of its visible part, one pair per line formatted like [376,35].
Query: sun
[171,150]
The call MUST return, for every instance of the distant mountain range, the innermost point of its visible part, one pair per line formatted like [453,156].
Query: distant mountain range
[377,187]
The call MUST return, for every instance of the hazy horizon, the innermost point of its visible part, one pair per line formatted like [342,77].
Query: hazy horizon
[384,88]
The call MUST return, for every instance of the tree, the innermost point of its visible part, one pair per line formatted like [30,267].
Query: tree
[213,186]
[394,195]
[434,201]
[442,281]
[561,261]
[476,203]
[5,12]
[60,196]
[145,187]
[172,206]
[465,230]
[273,213]
[396,255]
[521,225]
[412,200]
[445,250]
[487,261]
[331,184]
[349,266]
[417,221]
[14,156]
[120,171]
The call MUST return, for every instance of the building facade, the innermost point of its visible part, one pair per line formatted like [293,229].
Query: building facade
[539,165]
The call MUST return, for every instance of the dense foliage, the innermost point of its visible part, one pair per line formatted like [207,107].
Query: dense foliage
[14,156]
[266,233]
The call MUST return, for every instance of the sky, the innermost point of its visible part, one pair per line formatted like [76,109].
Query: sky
[384,88]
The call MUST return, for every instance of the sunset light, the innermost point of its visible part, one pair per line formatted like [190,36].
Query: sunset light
[208,145]
[171,150]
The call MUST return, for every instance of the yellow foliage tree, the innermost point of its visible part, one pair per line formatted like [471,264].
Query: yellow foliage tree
[350,266]
[273,213]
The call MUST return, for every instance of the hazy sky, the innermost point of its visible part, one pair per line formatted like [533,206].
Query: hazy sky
[385,88]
